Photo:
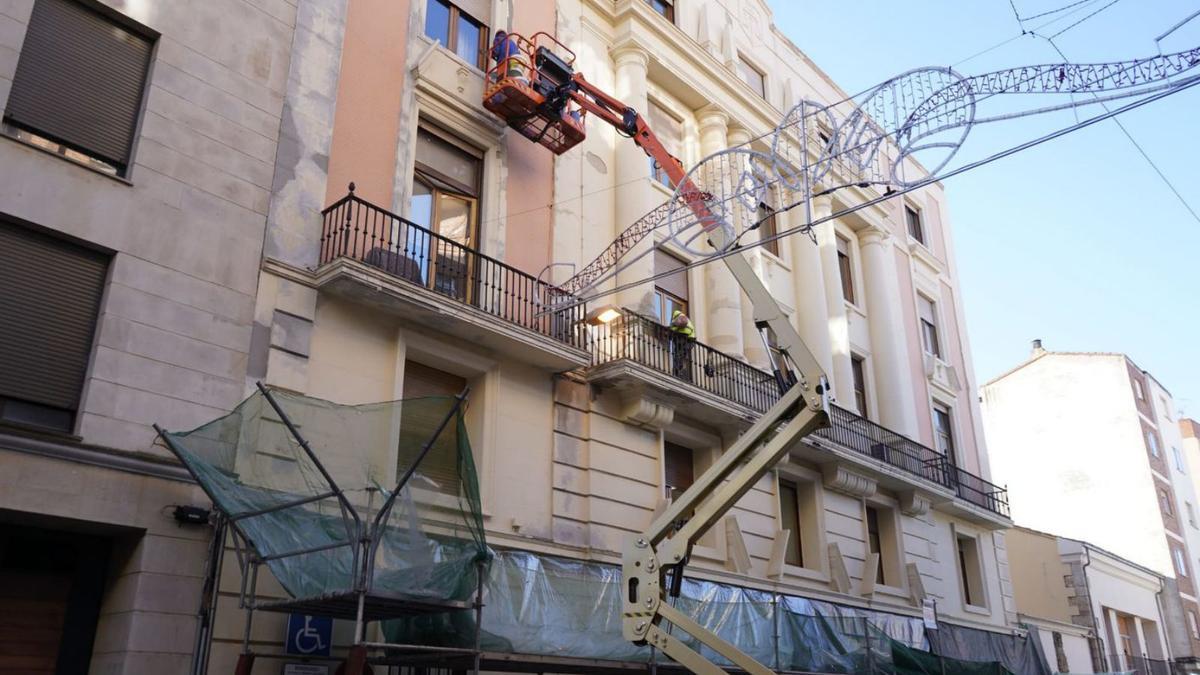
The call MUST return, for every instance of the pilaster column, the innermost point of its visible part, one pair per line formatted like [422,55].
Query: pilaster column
[808,279]
[724,317]
[635,198]
[1114,642]
[837,330]
[752,344]
[893,376]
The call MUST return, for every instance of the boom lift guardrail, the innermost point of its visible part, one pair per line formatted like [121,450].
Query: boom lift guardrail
[538,93]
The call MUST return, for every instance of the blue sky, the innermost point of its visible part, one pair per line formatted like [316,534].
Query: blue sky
[1077,241]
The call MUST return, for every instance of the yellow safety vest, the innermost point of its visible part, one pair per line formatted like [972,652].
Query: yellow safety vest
[688,331]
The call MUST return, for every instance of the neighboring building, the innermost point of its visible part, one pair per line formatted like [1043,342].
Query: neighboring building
[136,159]
[179,232]
[1088,446]
[1095,611]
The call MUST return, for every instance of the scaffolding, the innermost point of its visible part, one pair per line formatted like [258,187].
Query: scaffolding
[338,543]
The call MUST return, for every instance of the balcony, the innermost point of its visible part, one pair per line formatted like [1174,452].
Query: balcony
[380,259]
[636,351]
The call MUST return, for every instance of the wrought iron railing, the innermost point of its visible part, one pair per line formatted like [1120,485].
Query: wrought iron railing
[1140,665]
[355,228]
[643,340]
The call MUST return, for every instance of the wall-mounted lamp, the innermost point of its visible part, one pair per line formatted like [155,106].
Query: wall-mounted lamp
[602,315]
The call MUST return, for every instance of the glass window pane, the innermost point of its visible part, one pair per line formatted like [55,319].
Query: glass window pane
[437,21]
[789,511]
[454,219]
[468,40]
[415,256]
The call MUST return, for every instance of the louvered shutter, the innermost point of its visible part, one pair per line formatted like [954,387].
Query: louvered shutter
[48,304]
[441,464]
[79,80]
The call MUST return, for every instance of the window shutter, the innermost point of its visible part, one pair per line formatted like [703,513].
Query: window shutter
[441,464]
[926,309]
[668,129]
[451,162]
[675,284]
[48,310]
[79,80]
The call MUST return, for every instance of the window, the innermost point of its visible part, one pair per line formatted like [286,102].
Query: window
[943,431]
[1178,459]
[1164,500]
[860,383]
[875,542]
[846,268]
[929,331]
[671,291]
[1180,563]
[48,312]
[789,511]
[916,228]
[1138,391]
[752,76]
[767,227]
[445,201]
[1191,513]
[670,131]
[458,30]
[1192,626]
[970,570]
[664,7]
[79,83]
[440,467]
[1152,442]
[679,469]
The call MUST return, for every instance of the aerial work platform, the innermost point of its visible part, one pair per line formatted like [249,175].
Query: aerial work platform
[529,90]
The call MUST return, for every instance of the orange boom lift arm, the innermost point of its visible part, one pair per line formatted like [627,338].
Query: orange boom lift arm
[536,90]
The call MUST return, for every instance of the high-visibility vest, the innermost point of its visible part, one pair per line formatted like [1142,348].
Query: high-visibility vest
[687,331]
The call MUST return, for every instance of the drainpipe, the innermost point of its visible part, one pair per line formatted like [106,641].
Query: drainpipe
[1098,664]
[1162,619]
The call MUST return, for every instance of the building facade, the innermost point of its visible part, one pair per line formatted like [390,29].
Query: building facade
[224,231]
[1096,612]
[1095,425]
[136,160]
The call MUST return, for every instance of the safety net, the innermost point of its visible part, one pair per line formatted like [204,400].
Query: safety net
[548,606]
[315,515]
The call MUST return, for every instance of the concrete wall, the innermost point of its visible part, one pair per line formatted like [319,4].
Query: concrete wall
[1037,575]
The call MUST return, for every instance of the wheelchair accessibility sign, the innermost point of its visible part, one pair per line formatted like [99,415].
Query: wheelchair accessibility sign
[309,635]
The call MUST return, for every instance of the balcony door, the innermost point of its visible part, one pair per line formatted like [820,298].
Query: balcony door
[441,253]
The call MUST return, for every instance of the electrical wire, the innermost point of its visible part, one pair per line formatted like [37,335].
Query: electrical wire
[1053,11]
[1085,18]
[1186,84]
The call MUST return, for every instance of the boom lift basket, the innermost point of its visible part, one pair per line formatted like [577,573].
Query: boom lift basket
[529,92]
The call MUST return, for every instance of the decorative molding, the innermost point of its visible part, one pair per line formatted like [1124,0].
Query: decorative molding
[737,556]
[778,554]
[916,587]
[941,374]
[646,412]
[866,586]
[840,478]
[839,578]
[914,503]
[107,458]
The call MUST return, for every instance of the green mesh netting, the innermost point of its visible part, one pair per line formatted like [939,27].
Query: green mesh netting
[426,543]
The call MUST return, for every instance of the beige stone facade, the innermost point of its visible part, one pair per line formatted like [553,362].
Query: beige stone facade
[225,271]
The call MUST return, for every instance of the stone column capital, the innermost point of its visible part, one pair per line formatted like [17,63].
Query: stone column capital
[711,116]
[821,207]
[738,135]
[873,235]
[630,54]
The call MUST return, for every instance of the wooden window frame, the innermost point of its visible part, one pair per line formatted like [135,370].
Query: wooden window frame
[767,225]
[845,268]
[794,555]
[971,575]
[950,450]
[931,342]
[890,542]
[485,32]
[914,223]
[669,14]
[858,371]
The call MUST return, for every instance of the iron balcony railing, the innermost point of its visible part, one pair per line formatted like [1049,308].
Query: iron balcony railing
[643,340]
[355,228]
[1139,665]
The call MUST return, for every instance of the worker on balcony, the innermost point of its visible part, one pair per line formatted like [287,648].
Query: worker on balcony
[683,338]
[507,55]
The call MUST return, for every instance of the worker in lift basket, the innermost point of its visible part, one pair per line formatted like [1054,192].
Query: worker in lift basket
[683,338]
[507,55]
